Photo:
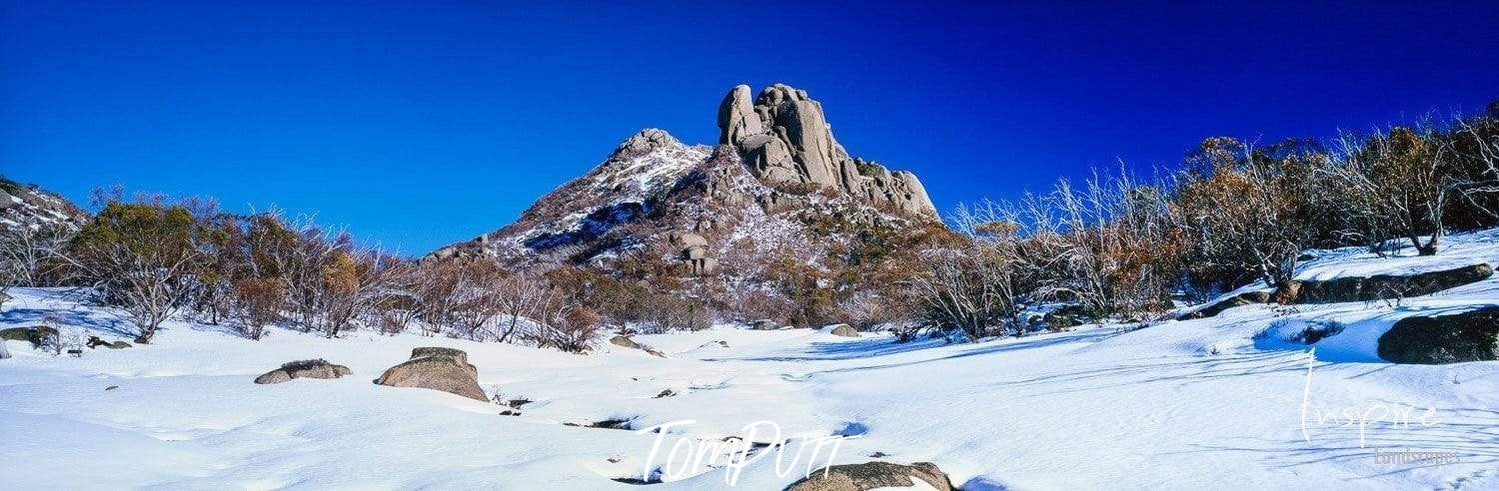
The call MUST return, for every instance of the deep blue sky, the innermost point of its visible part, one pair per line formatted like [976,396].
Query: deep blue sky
[422,123]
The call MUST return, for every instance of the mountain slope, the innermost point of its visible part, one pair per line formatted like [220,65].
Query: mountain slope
[23,205]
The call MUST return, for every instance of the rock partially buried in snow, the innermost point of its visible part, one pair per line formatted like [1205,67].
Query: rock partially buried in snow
[1469,336]
[764,325]
[95,342]
[874,475]
[626,342]
[844,330]
[319,369]
[1240,300]
[1353,289]
[37,335]
[1380,287]
[444,369]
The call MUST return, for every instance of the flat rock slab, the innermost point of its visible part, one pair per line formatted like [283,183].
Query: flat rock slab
[1381,287]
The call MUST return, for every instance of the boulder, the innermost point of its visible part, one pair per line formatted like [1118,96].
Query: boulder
[874,475]
[699,267]
[687,240]
[644,142]
[844,330]
[436,368]
[624,341]
[1469,336]
[318,368]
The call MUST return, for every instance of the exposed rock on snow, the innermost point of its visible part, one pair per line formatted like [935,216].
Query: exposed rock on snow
[875,475]
[1340,289]
[1469,336]
[765,325]
[95,342]
[785,139]
[625,341]
[319,369]
[1379,287]
[844,330]
[436,368]
[36,335]
[1242,299]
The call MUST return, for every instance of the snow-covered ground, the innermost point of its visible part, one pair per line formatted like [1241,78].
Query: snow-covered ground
[1228,402]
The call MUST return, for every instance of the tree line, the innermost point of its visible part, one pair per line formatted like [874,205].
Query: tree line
[1232,213]
[156,259]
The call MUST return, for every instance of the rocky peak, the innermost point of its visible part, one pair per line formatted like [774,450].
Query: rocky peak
[784,139]
[646,141]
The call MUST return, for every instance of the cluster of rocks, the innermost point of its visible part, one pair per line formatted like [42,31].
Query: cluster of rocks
[784,139]
[693,253]
[46,337]
[435,368]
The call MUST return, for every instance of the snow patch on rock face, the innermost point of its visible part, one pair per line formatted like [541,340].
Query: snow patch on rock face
[635,178]
[648,175]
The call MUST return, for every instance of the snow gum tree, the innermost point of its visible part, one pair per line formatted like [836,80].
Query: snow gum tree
[139,256]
